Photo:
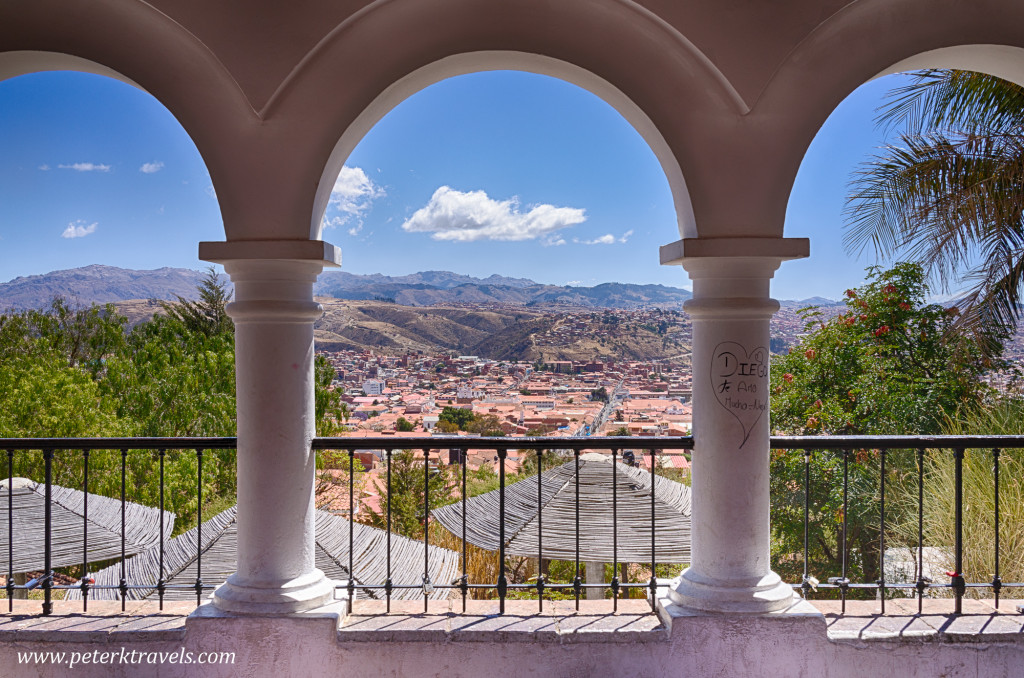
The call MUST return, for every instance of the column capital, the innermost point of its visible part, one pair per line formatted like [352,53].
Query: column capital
[312,251]
[685,251]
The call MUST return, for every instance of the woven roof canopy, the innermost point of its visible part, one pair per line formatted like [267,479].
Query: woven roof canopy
[220,559]
[558,515]
[68,526]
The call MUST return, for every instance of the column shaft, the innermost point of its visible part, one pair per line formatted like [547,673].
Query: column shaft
[730,569]
[274,314]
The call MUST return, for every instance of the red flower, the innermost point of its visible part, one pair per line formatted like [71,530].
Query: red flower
[884,329]
[905,306]
[810,353]
[851,294]
[788,378]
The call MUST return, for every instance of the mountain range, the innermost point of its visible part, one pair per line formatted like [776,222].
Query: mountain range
[102,284]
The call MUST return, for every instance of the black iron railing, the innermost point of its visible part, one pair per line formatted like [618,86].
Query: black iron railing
[651,449]
[50,447]
[912,453]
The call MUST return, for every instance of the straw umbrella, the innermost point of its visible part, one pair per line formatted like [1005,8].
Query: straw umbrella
[84,528]
[220,558]
[605,535]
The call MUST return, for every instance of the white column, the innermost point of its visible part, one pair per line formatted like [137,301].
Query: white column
[730,569]
[274,312]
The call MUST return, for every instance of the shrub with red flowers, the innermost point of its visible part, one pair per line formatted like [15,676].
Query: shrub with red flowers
[891,364]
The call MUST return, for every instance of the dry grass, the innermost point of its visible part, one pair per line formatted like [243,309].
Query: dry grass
[979,528]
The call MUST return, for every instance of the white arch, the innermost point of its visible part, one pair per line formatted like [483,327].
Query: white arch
[1002,61]
[24,62]
[475,62]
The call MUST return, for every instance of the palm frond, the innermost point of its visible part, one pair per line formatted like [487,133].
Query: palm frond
[936,199]
[952,99]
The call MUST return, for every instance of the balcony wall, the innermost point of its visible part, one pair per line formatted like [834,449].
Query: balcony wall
[802,642]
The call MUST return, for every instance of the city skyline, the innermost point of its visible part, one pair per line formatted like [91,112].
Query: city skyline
[510,173]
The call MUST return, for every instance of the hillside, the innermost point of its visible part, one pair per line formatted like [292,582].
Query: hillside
[98,284]
[393,328]
[103,284]
[499,332]
[434,288]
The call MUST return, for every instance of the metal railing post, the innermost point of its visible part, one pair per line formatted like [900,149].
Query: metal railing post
[958,583]
[502,580]
[48,535]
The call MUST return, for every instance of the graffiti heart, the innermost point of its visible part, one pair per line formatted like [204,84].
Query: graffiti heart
[740,380]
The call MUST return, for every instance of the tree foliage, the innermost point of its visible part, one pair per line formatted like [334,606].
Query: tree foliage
[68,371]
[890,364]
[411,483]
[208,314]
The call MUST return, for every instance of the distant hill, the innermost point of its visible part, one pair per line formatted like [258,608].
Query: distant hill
[98,284]
[103,284]
[432,288]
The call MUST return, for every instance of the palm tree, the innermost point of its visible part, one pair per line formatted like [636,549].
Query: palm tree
[949,193]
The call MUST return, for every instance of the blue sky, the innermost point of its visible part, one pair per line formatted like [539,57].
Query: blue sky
[95,171]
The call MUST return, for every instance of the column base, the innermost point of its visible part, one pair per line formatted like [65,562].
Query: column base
[769,594]
[310,591]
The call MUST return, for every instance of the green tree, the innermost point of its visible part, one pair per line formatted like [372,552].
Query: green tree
[485,425]
[410,483]
[456,415]
[599,394]
[620,431]
[948,193]
[74,372]
[81,336]
[173,381]
[404,425]
[890,364]
[208,314]
[331,411]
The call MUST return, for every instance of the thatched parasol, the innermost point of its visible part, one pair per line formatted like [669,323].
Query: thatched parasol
[558,515]
[68,526]
[220,558]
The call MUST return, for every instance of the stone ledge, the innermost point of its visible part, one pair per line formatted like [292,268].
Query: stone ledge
[559,623]
[103,622]
[980,622]
[522,622]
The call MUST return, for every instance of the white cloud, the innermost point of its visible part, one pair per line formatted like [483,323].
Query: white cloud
[465,217]
[45,168]
[79,229]
[151,167]
[606,239]
[86,167]
[353,193]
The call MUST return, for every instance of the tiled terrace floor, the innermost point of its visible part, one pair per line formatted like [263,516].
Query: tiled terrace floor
[635,621]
